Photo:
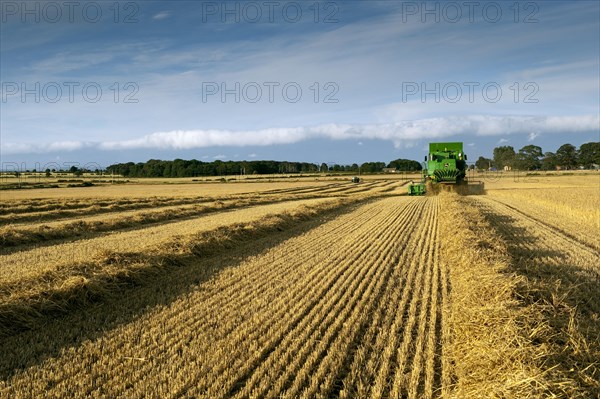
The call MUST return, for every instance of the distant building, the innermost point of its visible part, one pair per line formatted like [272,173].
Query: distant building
[389,170]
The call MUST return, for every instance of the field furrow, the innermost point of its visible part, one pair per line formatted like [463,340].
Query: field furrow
[543,236]
[289,322]
[252,297]
[341,262]
[50,209]
[85,227]
[26,264]
[284,351]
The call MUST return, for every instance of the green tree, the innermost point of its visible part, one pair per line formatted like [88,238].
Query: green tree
[504,156]
[75,171]
[483,163]
[324,167]
[405,165]
[48,173]
[529,157]
[372,167]
[549,161]
[566,156]
[589,153]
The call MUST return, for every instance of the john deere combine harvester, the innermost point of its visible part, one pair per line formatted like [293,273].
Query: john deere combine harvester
[445,165]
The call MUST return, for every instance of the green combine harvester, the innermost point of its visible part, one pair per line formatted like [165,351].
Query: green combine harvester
[445,165]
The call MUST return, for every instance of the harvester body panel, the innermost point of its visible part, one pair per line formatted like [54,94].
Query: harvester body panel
[445,166]
[446,162]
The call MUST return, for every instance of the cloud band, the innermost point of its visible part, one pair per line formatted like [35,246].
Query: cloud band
[399,133]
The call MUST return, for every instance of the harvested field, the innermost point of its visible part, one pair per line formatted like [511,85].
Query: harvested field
[340,290]
[176,188]
[152,190]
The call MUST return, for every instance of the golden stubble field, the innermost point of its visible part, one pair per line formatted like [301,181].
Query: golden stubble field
[302,289]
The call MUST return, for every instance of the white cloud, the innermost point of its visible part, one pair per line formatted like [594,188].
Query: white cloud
[401,134]
[220,156]
[161,15]
[38,148]
[532,136]
[253,155]
[502,141]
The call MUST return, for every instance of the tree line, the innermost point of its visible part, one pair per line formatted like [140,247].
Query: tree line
[194,168]
[531,157]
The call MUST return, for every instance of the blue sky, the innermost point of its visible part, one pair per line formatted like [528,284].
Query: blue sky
[342,81]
